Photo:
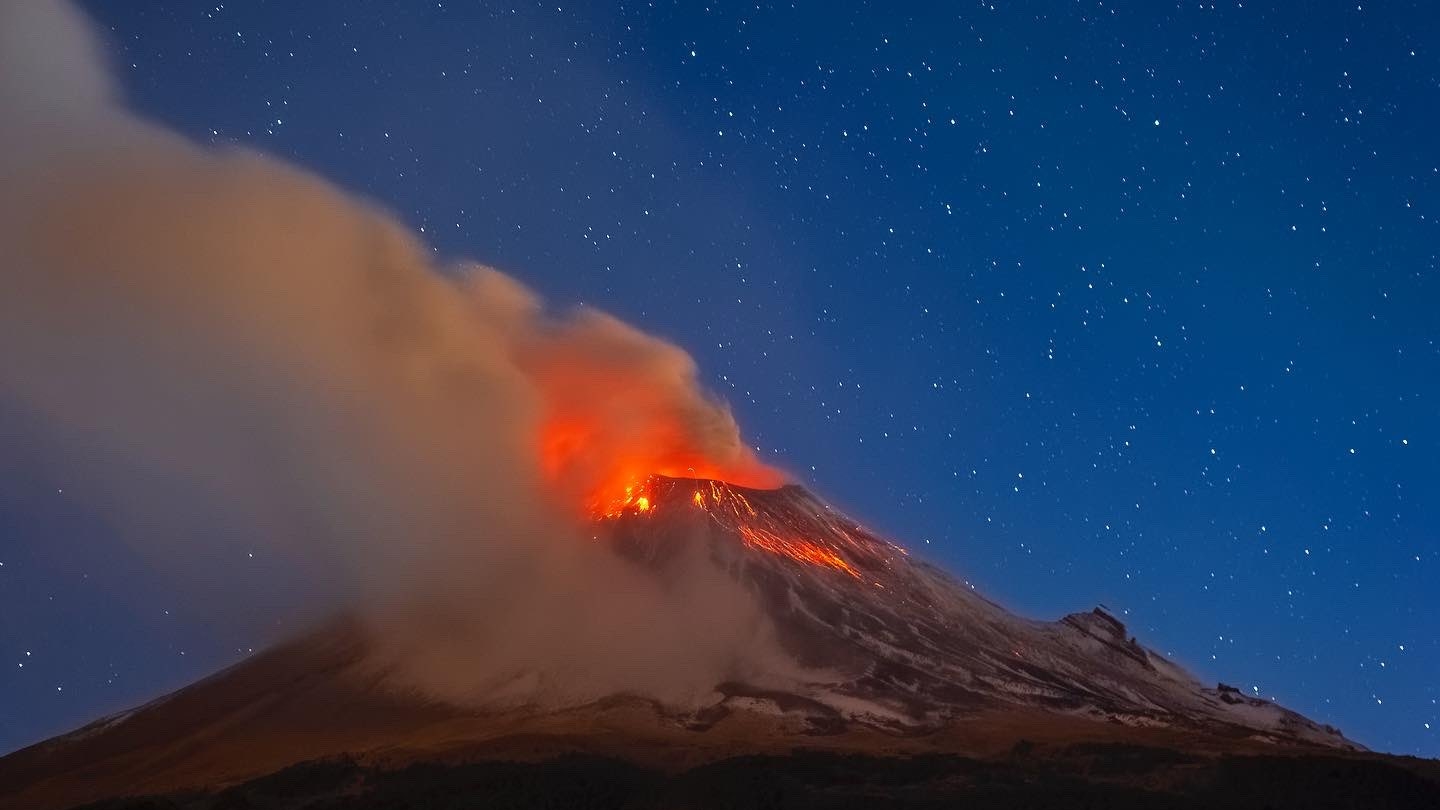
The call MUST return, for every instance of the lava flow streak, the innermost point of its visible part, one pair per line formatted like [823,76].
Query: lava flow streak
[806,538]
[799,550]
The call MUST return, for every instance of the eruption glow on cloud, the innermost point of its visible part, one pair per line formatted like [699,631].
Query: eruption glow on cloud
[226,339]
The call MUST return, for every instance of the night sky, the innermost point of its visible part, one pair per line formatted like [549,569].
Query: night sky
[1089,302]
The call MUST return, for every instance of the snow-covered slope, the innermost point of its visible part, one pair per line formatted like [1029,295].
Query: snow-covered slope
[908,645]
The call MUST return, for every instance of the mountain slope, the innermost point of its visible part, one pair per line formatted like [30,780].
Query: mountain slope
[905,659]
[915,648]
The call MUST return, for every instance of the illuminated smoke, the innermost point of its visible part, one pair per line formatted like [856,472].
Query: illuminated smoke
[237,353]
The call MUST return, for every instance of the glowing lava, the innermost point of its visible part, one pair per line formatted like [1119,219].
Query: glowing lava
[631,498]
[796,549]
[591,467]
[808,541]
[634,468]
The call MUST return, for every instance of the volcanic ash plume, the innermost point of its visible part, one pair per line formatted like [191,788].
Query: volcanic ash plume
[237,353]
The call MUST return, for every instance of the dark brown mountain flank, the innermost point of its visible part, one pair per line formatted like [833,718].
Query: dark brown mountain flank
[926,694]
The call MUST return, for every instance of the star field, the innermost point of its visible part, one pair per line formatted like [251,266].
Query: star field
[1089,302]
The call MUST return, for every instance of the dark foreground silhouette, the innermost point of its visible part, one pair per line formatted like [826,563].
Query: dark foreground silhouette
[1079,776]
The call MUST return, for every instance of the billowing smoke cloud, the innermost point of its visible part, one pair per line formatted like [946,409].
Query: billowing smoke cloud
[238,350]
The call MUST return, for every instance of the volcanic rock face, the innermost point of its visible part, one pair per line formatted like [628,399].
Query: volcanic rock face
[912,649]
[899,657]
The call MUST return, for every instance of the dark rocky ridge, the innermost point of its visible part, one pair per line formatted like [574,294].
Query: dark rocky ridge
[1116,777]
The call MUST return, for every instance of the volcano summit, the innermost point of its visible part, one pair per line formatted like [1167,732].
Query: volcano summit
[915,687]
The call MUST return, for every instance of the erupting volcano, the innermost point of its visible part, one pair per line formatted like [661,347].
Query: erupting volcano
[896,656]
[542,565]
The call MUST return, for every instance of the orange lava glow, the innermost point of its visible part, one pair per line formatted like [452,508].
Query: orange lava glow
[796,549]
[581,459]
[731,507]
[632,498]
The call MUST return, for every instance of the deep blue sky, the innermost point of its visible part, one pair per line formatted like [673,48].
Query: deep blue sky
[1090,302]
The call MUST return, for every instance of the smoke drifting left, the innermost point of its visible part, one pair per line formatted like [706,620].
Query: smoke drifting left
[218,334]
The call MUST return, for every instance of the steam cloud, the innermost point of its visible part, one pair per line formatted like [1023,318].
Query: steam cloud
[244,354]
